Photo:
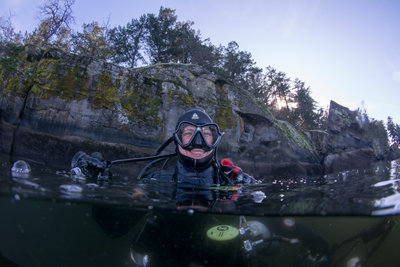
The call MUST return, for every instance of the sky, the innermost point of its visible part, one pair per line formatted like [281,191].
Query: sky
[344,50]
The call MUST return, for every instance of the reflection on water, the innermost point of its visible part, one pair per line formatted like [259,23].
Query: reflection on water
[52,219]
[389,204]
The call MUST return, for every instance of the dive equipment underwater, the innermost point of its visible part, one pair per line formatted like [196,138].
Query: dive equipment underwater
[222,232]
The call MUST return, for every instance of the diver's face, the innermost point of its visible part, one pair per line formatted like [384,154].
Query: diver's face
[196,153]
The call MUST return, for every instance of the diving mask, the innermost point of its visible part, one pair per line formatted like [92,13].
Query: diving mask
[189,135]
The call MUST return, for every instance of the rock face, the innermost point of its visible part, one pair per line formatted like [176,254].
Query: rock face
[349,144]
[53,105]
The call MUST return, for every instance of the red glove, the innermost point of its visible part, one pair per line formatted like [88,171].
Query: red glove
[235,173]
[229,169]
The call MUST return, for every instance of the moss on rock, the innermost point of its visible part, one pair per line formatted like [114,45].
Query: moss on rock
[141,105]
[294,136]
[223,114]
[105,94]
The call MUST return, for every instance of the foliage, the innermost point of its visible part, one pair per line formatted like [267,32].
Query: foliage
[54,28]
[127,42]
[160,37]
[304,114]
[236,64]
[7,32]
[9,57]
[91,42]
[393,131]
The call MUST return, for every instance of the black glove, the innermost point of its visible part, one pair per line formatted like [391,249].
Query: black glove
[92,166]
[235,173]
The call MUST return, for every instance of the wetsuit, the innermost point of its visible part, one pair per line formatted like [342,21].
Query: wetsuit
[214,174]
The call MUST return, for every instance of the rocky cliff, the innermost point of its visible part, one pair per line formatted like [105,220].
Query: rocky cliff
[53,104]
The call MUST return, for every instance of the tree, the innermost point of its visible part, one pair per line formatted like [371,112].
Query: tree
[394,131]
[10,47]
[7,32]
[304,114]
[258,86]
[127,42]
[55,19]
[184,42]
[205,54]
[92,41]
[279,90]
[160,35]
[236,64]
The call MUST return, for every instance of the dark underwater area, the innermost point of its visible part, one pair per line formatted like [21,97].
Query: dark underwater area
[53,218]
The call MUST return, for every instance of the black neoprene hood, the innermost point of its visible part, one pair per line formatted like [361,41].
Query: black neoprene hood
[195,115]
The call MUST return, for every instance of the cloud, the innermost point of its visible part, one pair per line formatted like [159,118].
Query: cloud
[396,75]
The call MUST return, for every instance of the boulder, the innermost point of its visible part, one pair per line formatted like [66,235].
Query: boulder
[352,141]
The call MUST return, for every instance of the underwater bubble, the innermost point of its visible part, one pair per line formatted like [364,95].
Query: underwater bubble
[21,169]
[258,196]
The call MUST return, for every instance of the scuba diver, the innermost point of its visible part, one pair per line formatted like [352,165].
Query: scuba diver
[171,238]
[196,139]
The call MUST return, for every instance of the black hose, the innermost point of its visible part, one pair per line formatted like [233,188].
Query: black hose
[141,159]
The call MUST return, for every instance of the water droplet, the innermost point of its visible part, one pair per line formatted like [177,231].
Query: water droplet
[258,196]
[21,169]
[21,166]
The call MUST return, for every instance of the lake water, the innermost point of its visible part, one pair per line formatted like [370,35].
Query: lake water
[52,219]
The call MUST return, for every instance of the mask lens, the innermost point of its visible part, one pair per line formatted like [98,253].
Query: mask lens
[210,134]
[186,132]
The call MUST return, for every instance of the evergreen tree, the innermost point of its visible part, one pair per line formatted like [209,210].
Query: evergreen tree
[207,55]
[160,35]
[394,131]
[237,64]
[279,90]
[304,114]
[127,42]
[186,42]
[259,87]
